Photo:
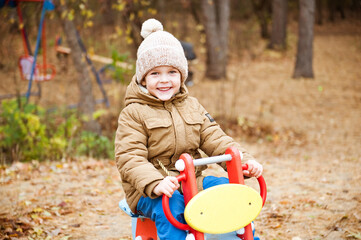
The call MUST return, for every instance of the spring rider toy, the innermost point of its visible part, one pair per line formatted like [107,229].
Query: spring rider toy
[223,212]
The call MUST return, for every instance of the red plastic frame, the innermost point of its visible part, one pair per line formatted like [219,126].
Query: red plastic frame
[189,186]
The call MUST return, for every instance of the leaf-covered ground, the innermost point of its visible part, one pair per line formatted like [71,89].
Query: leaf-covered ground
[307,134]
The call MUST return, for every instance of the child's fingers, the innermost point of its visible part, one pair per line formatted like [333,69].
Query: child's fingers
[257,174]
[255,169]
[168,194]
[171,184]
[250,170]
[166,186]
[167,190]
[174,181]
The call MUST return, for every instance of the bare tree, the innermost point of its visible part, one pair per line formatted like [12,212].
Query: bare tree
[279,24]
[216,21]
[319,8]
[86,105]
[195,9]
[132,24]
[336,6]
[109,15]
[304,57]
[131,13]
[262,9]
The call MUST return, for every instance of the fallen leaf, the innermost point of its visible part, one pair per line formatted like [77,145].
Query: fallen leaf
[354,235]
[75,225]
[38,230]
[65,238]
[55,232]
[37,210]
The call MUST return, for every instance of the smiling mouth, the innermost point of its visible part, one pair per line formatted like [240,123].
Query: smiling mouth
[164,88]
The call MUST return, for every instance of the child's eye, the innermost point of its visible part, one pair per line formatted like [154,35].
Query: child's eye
[172,72]
[154,73]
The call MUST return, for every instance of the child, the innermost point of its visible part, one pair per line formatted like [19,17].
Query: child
[158,124]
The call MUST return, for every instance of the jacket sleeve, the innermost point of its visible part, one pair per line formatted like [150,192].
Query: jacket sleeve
[131,154]
[214,141]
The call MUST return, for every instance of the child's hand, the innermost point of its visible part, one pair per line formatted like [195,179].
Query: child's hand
[255,169]
[167,186]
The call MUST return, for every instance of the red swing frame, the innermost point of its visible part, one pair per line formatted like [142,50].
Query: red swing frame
[41,70]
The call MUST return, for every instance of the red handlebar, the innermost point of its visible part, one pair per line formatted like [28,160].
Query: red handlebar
[262,185]
[263,189]
[168,213]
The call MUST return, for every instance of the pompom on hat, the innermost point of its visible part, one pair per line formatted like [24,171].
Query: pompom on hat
[159,48]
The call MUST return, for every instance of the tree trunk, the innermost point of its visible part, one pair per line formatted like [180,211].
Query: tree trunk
[331,8]
[319,9]
[336,6]
[262,11]
[216,21]
[279,24]
[303,66]
[263,22]
[223,28]
[161,6]
[86,104]
[108,12]
[133,26]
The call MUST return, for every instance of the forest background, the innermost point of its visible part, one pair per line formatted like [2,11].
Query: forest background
[305,129]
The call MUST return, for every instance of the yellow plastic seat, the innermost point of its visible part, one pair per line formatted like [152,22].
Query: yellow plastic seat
[223,208]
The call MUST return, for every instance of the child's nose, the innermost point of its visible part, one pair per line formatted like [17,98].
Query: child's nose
[163,78]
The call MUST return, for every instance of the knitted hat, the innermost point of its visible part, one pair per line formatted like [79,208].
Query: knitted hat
[159,48]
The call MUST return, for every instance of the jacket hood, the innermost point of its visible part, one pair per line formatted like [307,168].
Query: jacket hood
[135,94]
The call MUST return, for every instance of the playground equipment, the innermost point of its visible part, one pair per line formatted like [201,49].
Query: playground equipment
[90,58]
[225,210]
[93,57]
[44,71]
[29,68]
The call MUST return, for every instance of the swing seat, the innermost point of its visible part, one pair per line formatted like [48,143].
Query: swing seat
[41,73]
[223,208]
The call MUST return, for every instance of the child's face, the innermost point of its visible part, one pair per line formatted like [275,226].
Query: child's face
[163,82]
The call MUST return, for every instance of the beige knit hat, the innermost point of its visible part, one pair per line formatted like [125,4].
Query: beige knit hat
[159,48]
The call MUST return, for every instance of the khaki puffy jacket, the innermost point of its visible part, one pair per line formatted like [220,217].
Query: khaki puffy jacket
[150,130]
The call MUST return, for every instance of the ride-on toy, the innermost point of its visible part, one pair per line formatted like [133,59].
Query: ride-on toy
[220,212]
